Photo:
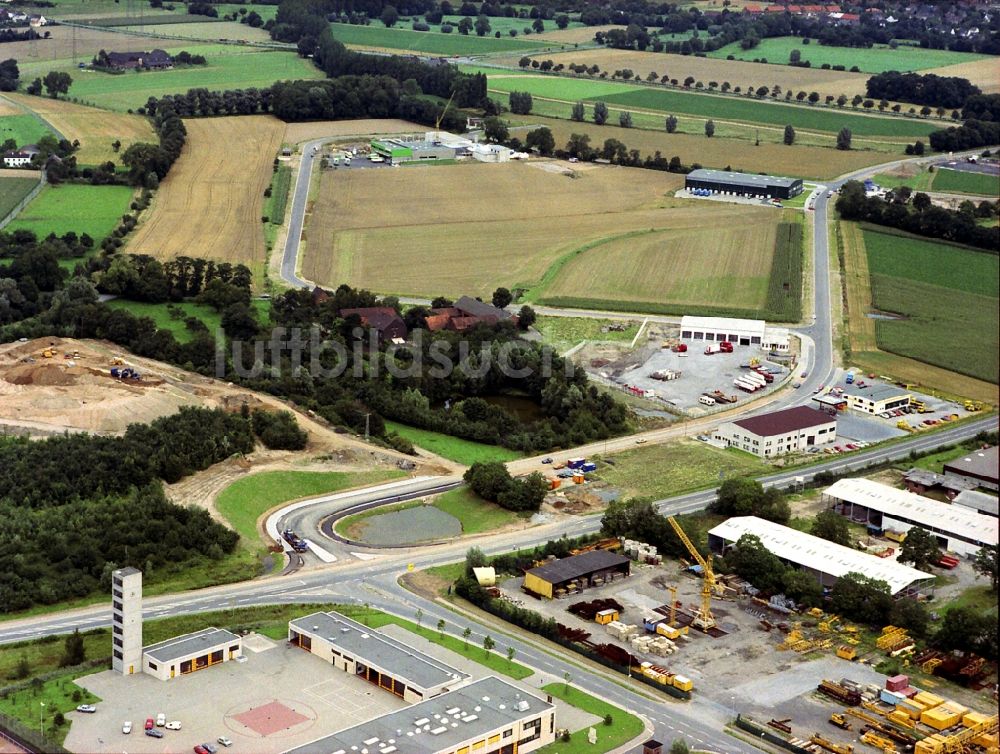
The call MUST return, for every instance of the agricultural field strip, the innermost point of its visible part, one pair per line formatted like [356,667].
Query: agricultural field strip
[732,109]
[427,41]
[14,189]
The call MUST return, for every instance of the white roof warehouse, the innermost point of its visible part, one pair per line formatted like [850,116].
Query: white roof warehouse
[959,529]
[827,560]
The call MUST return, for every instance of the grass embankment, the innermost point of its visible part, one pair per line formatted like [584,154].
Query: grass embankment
[453,448]
[624,726]
[563,333]
[94,210]
[12,191]
[247,499]
[948,296]
[875,59]
[475,514]
[673,468]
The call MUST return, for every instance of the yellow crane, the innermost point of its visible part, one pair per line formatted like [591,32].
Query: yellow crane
[437,123]
[703,618]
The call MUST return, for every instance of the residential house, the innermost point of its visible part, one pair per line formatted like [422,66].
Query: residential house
[383,319]
[37,21]
[154,59]
[20,158]
[466,313]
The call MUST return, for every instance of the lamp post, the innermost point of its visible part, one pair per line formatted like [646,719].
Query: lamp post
[41,714]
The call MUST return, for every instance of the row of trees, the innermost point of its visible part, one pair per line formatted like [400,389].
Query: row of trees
[970,135]
[919,216]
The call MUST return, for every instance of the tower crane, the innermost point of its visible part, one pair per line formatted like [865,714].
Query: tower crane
[437,123]
[703,618]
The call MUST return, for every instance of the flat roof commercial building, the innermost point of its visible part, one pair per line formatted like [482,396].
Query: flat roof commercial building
[739,332]
[826,560]
[958,529]
[190,653]
[743,184]
[778,432]
[489,716]
[876,399]
[389,664]
[983,502]
[577,571]
[981,466]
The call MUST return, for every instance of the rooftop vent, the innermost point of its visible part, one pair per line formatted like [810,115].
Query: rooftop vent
[523,706]
[439,730]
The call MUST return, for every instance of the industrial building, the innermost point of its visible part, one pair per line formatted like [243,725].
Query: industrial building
[389,664]
[958,529]
[433,145]
[983,502]
[743,184]
[826,560]
[778,432]
[126,620]
[922,480]
[876,399]
[190,653]
[575,572]
[980,466]
[489,716]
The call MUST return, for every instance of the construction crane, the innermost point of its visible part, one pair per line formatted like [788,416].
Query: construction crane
[703,619]
[940,744]
[437,123]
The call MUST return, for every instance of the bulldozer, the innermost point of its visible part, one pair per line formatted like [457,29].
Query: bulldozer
[973,406]
[840,721]
[48,353]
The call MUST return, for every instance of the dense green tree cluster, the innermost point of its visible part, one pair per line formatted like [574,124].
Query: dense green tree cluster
[921,89]
[639,520]
[491,481]
[278,430]
[747,497]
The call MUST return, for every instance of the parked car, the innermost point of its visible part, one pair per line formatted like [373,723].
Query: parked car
[796,385]
[86,708]
[640,441]
[154,733]
[211,749]
[173,725]
[161,720]
[127,727]
[150,723]
[547,460]
[199,749]
[224,741]
[851,446]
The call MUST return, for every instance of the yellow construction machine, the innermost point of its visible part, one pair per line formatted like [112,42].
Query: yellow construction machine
[703,618]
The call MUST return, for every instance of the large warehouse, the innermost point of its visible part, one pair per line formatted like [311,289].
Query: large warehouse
[743,184]
[379,659]
[778,432]
[739,332]
[826,560]
[979,466]
[577,571]
[489,716]
[958,529]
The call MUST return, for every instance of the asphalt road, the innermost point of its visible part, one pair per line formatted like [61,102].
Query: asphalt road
[296,218]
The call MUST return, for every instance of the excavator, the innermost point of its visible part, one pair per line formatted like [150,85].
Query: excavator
[703,618]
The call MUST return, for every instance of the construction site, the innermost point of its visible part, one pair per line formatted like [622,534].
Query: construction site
[809,681]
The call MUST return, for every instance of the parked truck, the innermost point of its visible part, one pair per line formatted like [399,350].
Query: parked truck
[711,350]
[725,346]
[297,543]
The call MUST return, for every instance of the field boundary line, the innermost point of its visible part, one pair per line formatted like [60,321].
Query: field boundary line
[42,182]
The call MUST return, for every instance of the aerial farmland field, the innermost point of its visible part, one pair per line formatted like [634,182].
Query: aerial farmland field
[94,210]
[210,204]
[19,125]
[94,129]
[982,73]
[737,73]
[14,186]
[873,60]
[544,228]
[431,42]
[731,108]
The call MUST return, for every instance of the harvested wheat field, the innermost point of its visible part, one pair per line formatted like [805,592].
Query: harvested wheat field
[59,48]
[736,72]
[580,34]
[7,108]
[448,230]
[777,159]
[712,254]
[211,202]
[318,129]
[94,129]
[982,73]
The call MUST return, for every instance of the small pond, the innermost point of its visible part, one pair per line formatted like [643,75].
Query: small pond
[409,526]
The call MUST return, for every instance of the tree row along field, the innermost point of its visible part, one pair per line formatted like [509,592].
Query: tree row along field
[875,59]
[733,108]
[736,72]
[95,129]
[947,300]
[770,156]
[210,204]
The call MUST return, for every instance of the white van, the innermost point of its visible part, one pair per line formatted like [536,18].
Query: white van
[708,401]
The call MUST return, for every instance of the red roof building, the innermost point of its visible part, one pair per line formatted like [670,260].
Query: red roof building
[779,432]
[383,319]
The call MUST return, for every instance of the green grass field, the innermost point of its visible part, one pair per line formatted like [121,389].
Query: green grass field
[94,210]
[624,725]
[274,207]
[24,129]
[919,182]
[964,182]
[453,448]
[665,470]
[430,42]
[733,108]
[12,191]
[225,70]
[875,60]
[245,500]
[563,333]
[36,708]
[165,320]
[504,25]
[948,298]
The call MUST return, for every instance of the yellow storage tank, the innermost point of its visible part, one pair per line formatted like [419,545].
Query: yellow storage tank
[940,717]
[928,699]
[683,683]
